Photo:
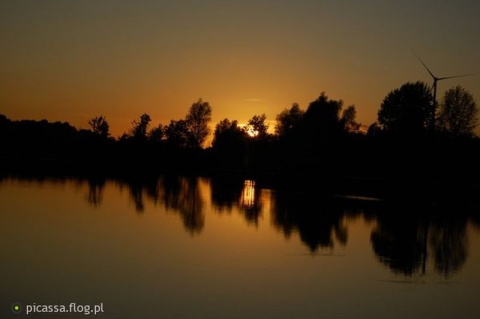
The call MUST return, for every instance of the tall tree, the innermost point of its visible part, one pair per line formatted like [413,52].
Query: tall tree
[348,119]
[140,126]
[197,119]
[322,120]
[229,144]
[258,125]
[407,111]
[289,120]
[177,134]
[227,133]
[157,134]
[458,114]
[99,125]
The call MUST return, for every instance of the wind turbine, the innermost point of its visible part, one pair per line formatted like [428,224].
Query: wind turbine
[435,80]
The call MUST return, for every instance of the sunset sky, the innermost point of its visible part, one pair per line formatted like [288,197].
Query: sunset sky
[66,60]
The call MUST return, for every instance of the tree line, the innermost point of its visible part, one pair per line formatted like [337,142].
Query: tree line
[413,136]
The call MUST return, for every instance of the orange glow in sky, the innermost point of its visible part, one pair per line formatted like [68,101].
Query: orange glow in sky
[74,60]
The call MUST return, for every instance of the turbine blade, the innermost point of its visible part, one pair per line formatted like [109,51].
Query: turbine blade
[455,76]
[426,67]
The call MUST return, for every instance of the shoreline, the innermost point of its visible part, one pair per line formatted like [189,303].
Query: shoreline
[368,188]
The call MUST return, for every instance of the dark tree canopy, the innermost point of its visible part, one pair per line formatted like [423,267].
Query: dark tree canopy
[197,119]
[458,114]
[322,120]
[348,119]
[157,133]
[408,110]
[177,134]
[99,125]
[227,133]
[229,144]
[374,130]
[259,127]
[140,126]
[289,120]
[323,111]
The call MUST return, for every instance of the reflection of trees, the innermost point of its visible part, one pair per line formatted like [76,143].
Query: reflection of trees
[398,243]
[136,193]
[448,241]
[184,195]
[406,241]
[175,193]
[475,219]
[95,191]
[319,221]
[181,195]
[228,192]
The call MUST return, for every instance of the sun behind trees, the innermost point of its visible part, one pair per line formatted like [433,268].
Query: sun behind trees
[323,139]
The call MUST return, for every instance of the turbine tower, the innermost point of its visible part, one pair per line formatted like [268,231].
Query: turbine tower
[434,87]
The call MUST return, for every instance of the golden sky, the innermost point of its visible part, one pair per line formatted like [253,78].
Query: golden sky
[72,60]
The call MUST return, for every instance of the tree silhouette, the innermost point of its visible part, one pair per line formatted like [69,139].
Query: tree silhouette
[227,133]
[458,114]
[288,121]
[374,130]
[140,126]
[177,134]
[321,122]
[197,119]
[229,144]
[99,125]
[407,111]
[258,125]
[348,119]
[324,110]
[157,134]
[3,119]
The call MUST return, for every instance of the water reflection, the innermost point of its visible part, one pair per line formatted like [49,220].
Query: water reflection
[176,194]
[319,222]
[183,195]
[226,192]
[235,193]
[95,191]
[407,239]
[448,243]
[136,189]
[399,243]
[250,204]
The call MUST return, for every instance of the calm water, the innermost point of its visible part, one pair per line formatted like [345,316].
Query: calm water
[198,248]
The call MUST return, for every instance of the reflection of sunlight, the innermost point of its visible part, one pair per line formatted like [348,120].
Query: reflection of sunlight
[205,191]
[248,194]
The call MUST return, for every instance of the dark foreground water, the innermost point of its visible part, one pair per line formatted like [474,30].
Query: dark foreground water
[199,248]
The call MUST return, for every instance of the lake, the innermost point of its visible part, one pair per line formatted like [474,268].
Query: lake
[185,247]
